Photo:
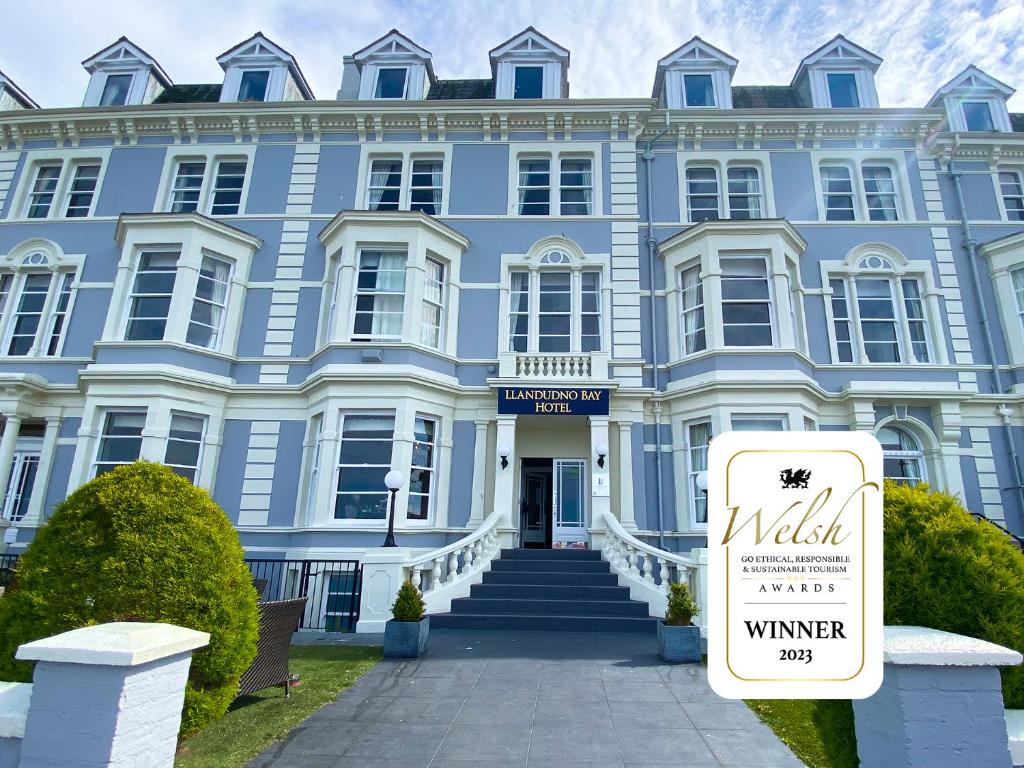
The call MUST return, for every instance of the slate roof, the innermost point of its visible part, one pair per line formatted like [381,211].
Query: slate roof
[766,97]
[189,94]
[1017,122]
[461,89]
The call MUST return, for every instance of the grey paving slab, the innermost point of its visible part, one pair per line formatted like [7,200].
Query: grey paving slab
[531,700]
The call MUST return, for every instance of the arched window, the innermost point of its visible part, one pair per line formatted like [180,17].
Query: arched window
[903,457]
[37,283]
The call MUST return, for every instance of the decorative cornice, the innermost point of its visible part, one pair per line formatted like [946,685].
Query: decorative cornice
[991,148]
[736,227]
[164,220]
[393,219]
[367,119]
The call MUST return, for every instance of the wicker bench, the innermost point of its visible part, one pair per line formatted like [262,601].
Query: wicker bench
[278,621]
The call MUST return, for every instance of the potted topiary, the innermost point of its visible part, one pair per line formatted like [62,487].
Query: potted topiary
[678,638]
[405,636]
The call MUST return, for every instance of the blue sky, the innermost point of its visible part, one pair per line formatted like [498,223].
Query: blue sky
[615,44]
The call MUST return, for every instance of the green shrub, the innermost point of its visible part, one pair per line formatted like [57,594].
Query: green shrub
[681,606]
[409,604]
[139,543]
[944,569]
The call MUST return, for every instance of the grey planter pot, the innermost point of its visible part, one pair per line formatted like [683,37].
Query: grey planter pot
[406,639]
[678,644]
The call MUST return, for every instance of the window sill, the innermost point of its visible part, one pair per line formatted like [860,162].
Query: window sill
[169,344]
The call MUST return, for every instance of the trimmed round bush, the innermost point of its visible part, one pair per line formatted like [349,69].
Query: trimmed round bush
[140,543]
[946,570]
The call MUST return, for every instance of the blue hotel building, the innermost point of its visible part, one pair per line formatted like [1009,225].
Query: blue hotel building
[538,309]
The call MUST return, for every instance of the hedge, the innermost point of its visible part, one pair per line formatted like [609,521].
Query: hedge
[139,543]
[946,570]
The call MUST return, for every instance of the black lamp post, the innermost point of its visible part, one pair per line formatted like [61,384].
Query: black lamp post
[393,480]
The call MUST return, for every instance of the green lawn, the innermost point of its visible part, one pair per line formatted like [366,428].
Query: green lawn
[819,732]
[253,722]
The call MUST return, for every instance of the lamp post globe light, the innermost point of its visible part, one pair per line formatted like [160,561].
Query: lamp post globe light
[393,480]
[702,481]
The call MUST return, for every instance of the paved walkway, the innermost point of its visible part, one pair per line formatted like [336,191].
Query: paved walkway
[538,699]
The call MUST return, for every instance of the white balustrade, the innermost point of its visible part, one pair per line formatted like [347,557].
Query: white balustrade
[648,571]
[455,567]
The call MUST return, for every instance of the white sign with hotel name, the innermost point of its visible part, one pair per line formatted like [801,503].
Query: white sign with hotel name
[795,565]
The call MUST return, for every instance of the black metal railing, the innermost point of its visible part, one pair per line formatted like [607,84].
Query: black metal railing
[331,587]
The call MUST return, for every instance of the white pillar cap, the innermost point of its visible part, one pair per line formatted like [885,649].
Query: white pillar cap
[119,644]
[14,701]
[922,646]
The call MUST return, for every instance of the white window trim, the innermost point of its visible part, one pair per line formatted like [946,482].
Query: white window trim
[855,163]
[420,238]
[211,155]
[159,403]
[688,471]
[1004,257]
[579,263]
[848,269]
[24,448]
[364,399]
[1006,168]
[857,74]
[821,97]
[675,87]
[556,153]
[741,416]
[69,160]
[19,262]
[269,69]
[753,238]
[407,153]
[193,237]
[931,450]
[376,81]
[722,161]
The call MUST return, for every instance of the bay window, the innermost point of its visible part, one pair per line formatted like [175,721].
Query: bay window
[1017,278]
[152,291]
[433,304]
[421,471]
[746,302]
[209,302]
[554,183]
[184,444]
[120,440]
[691,311]
[880,314]
[698,438]
[380,296]
[554,310]
[367,443]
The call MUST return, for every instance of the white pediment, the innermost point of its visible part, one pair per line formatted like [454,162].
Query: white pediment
[393,46]
[124,56]
[972,82]
[529,44]
[256,47]
[699,54]
[839,52]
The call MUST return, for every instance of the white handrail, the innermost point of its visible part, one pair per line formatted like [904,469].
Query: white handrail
[648,571]
[448,572]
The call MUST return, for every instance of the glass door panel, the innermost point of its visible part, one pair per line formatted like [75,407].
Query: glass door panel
[570,505]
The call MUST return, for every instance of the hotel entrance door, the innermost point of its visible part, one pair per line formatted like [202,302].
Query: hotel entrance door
[552,495]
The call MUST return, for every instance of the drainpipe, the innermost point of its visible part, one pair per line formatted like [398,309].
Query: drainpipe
[970,245]
[648,158]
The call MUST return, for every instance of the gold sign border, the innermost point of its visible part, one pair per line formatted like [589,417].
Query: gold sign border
[863,576]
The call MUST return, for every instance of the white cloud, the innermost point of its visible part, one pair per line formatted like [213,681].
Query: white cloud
[615,45]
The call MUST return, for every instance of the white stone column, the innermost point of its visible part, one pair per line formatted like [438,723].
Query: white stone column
[382,576]
[504,479]
[600,501]
[476,515]
[627,513]
[108,695]
[12,426]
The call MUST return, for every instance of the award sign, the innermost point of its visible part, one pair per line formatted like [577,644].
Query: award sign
[795,565]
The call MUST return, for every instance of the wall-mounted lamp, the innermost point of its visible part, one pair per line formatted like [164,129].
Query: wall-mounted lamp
[602,451]
[503,452]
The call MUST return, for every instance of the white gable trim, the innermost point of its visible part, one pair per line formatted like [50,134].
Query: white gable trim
[259,53]
[393,45]
[694,57]
[529,43]
[125,55]
[972,82]
[839,53]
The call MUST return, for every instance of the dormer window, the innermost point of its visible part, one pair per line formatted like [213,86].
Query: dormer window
[529,83]
[977,116]
[253,86]
[842,90]
[698,90]
[838,75]
[391,83]
[694,76]
[115,90]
